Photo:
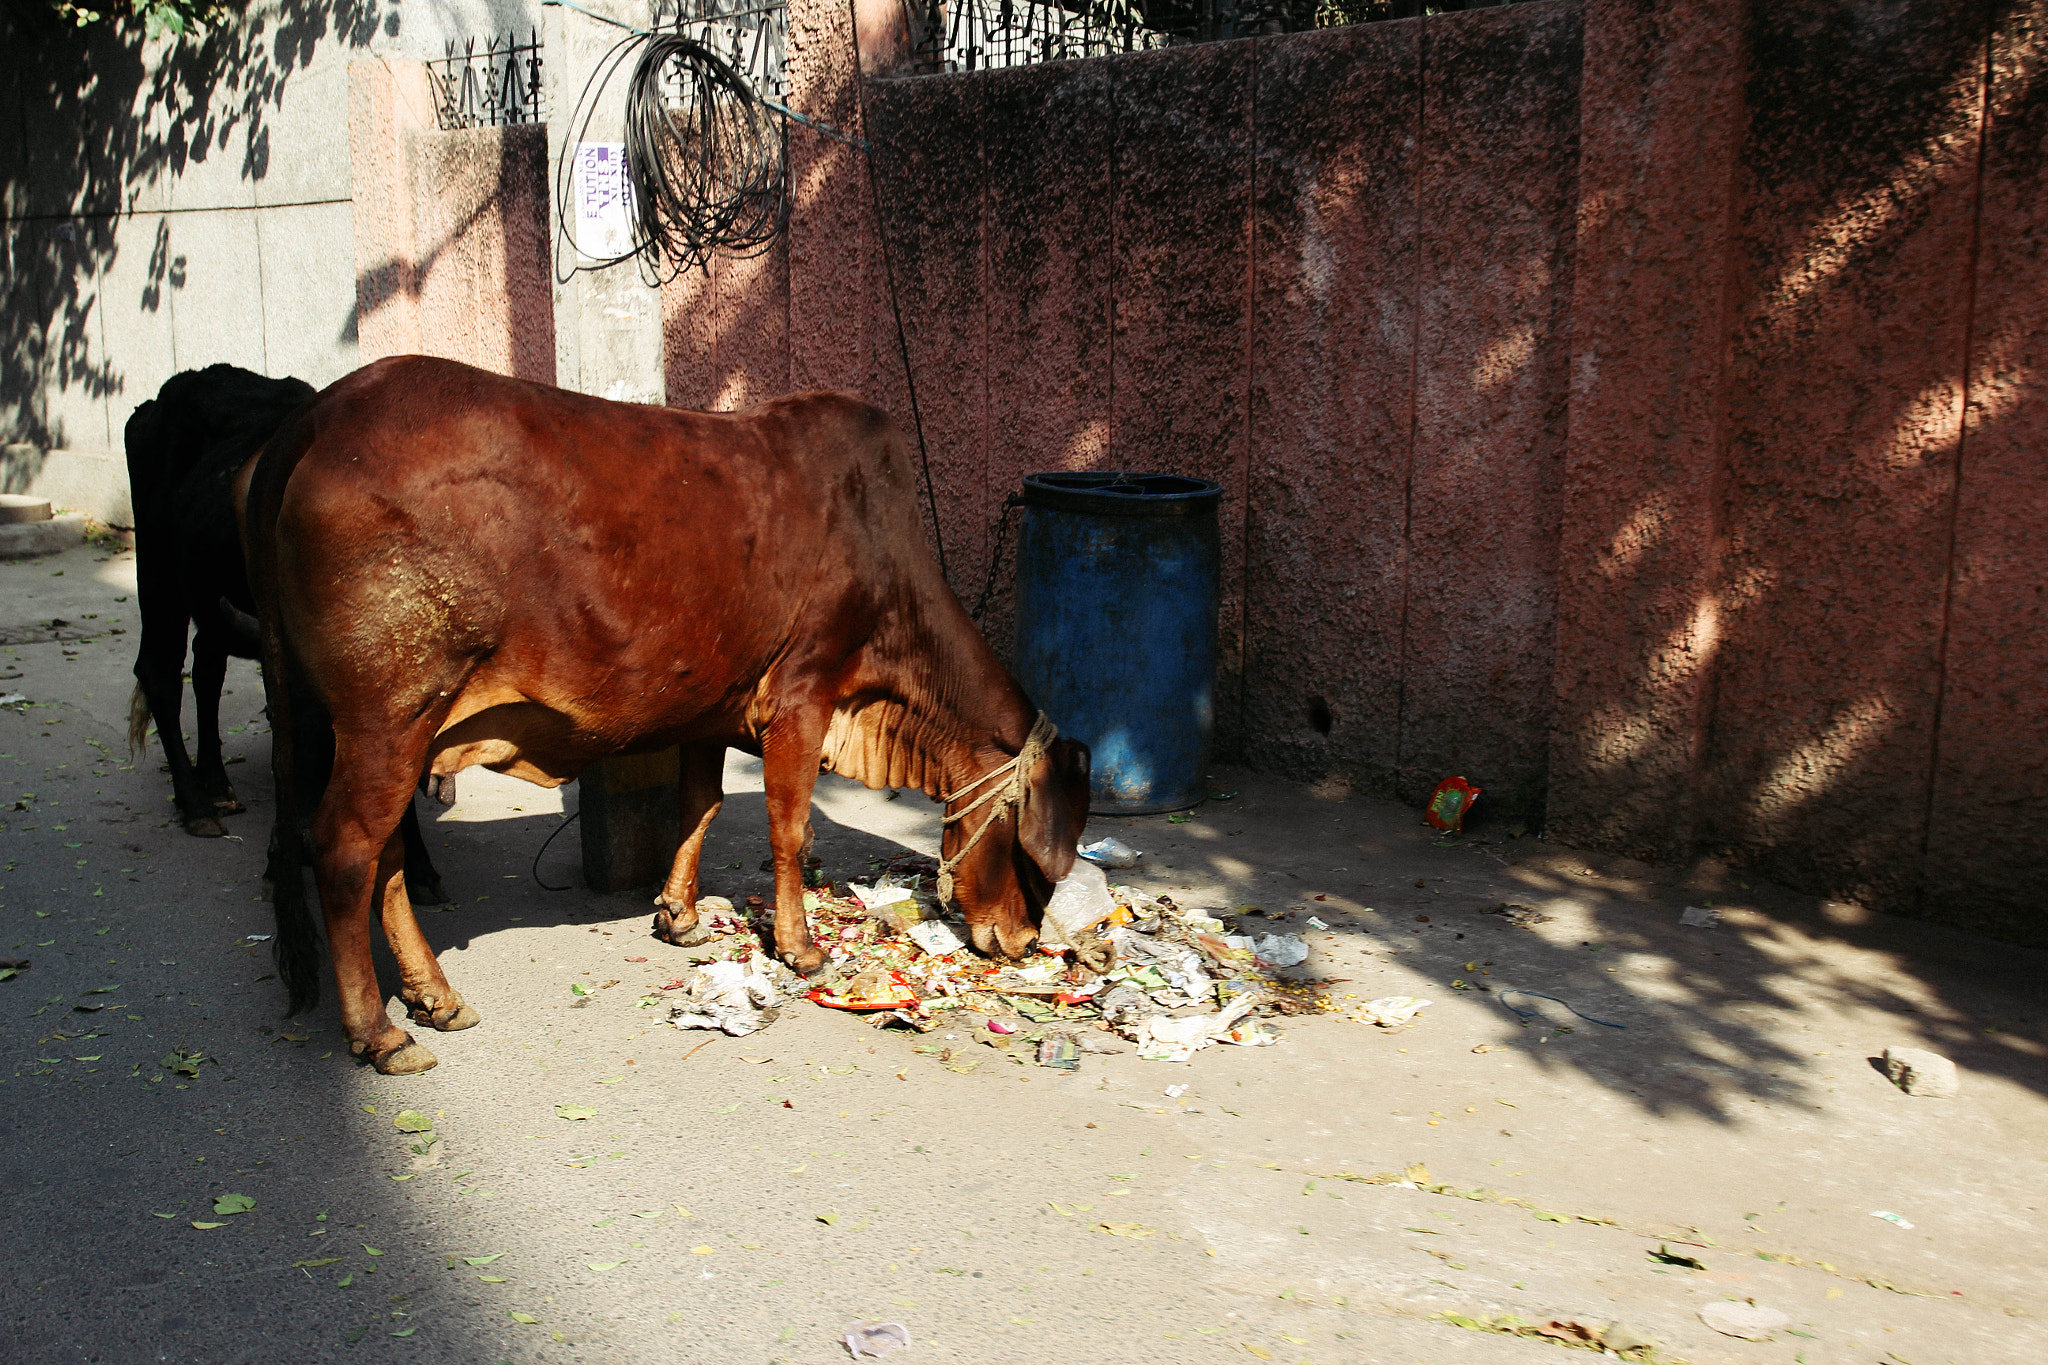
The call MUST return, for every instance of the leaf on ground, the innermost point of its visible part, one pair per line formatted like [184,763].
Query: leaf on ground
[609,1080]
[648,1213]
[492,1279]
[413,1121]
[578,988]
[346,1280]
[324,1260]
[828,1219]
[102,990]
[1545,1215]
[700,1251]
[1664,1255]
[1261,1352]
[1064,1213]
[527,1318]
[482,1260]
[204,1226]
[574,1111]
[727,1110]
[405,1331]
[372,1251]
[233,1203]
[154,1214]
[1125,1229]
[602,1266]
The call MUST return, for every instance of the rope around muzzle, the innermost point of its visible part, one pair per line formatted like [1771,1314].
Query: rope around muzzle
[1007,796]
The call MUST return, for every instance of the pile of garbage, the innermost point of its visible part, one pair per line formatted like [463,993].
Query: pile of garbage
[1111,960]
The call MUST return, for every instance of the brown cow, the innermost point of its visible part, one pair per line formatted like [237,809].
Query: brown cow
[470,569]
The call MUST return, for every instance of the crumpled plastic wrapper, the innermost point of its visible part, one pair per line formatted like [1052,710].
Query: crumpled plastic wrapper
[737,998]
[876,1338]
[1163,1038]
[1392,1011]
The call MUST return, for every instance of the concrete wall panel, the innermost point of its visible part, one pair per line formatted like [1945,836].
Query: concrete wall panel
[1987,860]
[308,255]
[1181,223]
[1661,121]
[1858,195]
[216,274]
[1500,126]
[1049,135]
[1332,398]
[138,283]
[831,237]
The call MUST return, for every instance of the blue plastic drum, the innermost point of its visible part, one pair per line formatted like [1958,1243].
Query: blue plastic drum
[1116,627]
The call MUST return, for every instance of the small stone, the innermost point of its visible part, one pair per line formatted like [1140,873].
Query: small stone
[1920,1072]
[1749,1321]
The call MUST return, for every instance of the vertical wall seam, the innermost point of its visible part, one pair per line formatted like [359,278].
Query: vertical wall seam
[1251,346]
[1420,162]
[1955,488]
[1115,271]
[1721,474]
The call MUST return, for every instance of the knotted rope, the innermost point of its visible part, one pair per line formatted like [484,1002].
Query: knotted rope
[1007,796]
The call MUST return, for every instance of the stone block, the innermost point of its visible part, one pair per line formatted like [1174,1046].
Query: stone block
[32,539]
[1920,1072]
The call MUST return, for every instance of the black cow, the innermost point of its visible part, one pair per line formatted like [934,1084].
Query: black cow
[184,449]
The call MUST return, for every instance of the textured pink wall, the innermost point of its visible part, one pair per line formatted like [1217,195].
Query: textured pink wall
[451,230]
[1635,407]
[1638,610]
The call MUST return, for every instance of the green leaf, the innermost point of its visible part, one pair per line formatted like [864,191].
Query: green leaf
[482,1260]
[610,1080]
[324,1260]
[346,1280]
[102,990]
[204,1226]
[413,1121]
[372,1251]
[602,1266]
[492,1279]
[579,988]
[154,1214]
[405,1331]
[828,1219]
[574,1111]
[1547,1216]
[526,1318]
[233,1203]
[727,1110]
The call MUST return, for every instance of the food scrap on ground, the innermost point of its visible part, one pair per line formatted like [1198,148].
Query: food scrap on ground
[1111,960]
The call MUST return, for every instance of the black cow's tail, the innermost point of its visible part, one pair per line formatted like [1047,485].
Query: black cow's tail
[296,949]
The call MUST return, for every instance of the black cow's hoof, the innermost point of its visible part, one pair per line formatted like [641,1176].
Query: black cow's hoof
[428,893]
[407,1059]
[205,827]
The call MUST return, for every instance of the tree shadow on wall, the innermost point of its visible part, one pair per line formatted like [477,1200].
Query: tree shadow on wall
[104,123]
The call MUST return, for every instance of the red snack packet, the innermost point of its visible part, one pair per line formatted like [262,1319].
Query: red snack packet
[1449,802]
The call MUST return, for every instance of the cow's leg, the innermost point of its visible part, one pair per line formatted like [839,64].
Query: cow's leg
[209,671]
[701,792]
[422,882]
[360,858]
[159,676]
[789,771]
[424,986]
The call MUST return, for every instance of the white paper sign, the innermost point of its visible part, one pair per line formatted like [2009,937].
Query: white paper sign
[604,200]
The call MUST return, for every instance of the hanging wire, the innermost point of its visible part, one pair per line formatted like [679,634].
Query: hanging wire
[705,159]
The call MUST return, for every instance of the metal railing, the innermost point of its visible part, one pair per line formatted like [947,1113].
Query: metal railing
[747,34]
[500,85]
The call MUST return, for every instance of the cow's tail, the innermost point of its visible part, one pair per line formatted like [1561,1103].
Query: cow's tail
[138,723]
[296,948]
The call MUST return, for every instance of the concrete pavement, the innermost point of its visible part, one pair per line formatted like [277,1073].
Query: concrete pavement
[747,1199]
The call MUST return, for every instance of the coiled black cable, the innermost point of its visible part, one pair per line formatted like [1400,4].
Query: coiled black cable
[705,158]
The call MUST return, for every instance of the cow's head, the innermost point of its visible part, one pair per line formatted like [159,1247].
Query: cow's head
[1006,878]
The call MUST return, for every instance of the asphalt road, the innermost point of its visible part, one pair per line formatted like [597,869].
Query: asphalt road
[748,1199]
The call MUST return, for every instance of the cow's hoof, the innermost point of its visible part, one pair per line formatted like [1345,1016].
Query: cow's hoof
[447,1018]
[407,1059]
[805,961]
[229,804]
[428,892]
[691,935]
[205,827]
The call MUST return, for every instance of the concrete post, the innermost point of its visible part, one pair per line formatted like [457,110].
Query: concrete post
[631,820]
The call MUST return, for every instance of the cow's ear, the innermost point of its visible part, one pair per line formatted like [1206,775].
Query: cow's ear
[1055,808]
